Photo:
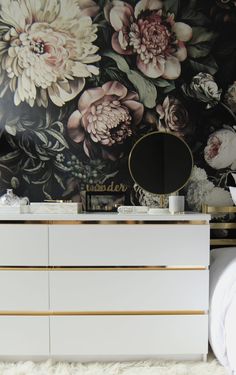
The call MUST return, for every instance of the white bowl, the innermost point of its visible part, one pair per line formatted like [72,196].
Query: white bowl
[232,190]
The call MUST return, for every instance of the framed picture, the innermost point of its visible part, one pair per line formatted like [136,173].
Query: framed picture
[104,201]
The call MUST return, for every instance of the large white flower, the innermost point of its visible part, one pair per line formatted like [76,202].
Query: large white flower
[198,174]
[197,192]
[220,151]
[202,191]
[219,197]
[46,49]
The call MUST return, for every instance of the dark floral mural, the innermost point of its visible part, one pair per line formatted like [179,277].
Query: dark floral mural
[82,80]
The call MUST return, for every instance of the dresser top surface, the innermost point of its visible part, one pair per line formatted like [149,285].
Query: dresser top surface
[104,216]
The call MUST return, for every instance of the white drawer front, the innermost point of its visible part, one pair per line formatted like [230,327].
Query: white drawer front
[117,245]
[128,290]
[24,335]
[128,335]
[23,245]
[24,290]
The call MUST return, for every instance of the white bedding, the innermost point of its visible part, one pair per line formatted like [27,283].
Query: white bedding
[222,314]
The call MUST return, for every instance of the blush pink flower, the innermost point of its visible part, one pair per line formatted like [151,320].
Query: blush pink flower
[105,115]
[173,117]
[153,36]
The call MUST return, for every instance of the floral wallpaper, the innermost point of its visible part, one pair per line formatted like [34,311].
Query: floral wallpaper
[82,80]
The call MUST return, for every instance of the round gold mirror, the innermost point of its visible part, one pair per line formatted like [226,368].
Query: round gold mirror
[160,163]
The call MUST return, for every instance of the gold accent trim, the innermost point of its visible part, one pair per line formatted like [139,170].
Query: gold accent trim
[228,225]
[125,268]
[169,134]
[223,225]
[106,222]
[79,313]
[218,209]
[228,241]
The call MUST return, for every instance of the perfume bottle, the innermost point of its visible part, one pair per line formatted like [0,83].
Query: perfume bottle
[11,199]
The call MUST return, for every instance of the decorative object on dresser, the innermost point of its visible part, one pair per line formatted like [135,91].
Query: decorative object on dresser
[160,163]
[141,285]
[218,227]
[11,203]
[97,201]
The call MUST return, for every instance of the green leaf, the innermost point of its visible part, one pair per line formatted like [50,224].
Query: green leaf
[160,82]
[169,88]
[193,18]
[47,195]
[59,125]
[107,176]
[59,180]
[34,169]
[43,179]
[146,89]
[199,50]
[201,35]
[11,129]
[207,65]
[11,156]
[40,150]
[171,6]
[26,178]
[41,136]
[120,61]
[44,158]
[61,167]
[58,136]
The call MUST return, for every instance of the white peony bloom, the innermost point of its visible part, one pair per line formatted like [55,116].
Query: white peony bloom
[197,192]
[46,49]
[198,174]
[203,88]
[220,151]
[219,197]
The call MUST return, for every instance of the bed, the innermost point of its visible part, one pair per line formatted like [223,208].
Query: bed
[222,304]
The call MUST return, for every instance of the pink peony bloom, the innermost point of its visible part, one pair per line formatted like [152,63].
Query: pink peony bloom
[105,115]
[154,37]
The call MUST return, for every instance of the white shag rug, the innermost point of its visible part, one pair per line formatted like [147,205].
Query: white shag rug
[211,367]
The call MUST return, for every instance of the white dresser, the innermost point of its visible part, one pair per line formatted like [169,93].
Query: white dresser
[104,286]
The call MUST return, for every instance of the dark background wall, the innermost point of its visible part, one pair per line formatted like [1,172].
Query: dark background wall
[81,81]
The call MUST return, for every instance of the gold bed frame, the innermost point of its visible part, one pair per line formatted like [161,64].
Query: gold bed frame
[229,225]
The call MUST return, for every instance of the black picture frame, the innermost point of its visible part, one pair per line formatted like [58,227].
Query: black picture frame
[104,201]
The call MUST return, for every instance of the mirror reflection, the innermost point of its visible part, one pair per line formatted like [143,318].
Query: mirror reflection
[160,163]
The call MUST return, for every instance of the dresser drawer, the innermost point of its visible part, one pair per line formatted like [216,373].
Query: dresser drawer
[23,245]
[23,290]
[123,335]
[128,290]
[24,335]
[118,245]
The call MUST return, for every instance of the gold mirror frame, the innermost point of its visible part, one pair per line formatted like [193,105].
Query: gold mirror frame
[148,135]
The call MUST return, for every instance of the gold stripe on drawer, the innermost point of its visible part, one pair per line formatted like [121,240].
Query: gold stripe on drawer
[62,313]
[110,222]
[223,225]
[228,241]
[98,268]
